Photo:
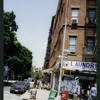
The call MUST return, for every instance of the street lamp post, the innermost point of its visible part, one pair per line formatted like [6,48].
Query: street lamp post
[60,77]
[63,45]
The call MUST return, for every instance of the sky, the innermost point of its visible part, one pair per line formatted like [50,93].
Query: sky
[33,18]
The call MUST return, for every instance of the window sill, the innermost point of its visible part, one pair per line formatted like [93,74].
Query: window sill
[71,54]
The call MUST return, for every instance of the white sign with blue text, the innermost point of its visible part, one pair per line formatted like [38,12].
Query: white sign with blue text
[88,66]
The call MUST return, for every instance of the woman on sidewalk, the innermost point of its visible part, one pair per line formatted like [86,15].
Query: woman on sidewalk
[93,92]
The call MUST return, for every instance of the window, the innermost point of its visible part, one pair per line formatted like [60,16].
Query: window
[74,16]
[90,45]
[72,43]
[91,15]
[56,81]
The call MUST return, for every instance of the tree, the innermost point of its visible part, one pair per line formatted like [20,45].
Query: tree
[10,27]
[16,56]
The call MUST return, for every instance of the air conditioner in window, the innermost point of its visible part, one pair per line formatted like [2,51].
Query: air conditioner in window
[74,21]
[72,51]
[69,51]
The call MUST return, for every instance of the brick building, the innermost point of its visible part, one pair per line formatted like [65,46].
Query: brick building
[80,39]
[80,32]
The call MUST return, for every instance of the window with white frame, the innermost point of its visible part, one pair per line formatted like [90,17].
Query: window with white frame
[72,43]
[90,45]
[74,15]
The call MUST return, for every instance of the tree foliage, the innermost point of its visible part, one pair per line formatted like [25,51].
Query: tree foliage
[16,56]
[36,75]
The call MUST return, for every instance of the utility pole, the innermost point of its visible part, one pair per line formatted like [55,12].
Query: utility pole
[60,77]
[63,47]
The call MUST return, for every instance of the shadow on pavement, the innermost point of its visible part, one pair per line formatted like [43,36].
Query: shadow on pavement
[7,83]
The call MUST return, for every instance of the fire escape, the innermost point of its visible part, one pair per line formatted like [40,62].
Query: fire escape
[46,59]
[90,32]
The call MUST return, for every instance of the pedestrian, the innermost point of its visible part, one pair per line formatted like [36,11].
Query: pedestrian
[38,84]
[86,94]
[35,83]
[93,92]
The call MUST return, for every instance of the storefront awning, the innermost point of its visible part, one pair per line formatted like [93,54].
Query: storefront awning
[47,70]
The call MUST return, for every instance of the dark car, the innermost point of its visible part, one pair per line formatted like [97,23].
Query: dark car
[18,87]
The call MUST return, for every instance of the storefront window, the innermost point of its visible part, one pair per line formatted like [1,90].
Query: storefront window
[70,83]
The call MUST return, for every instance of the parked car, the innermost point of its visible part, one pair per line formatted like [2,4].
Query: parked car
[18,87]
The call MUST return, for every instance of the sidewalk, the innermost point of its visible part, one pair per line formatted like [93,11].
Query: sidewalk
[42,94]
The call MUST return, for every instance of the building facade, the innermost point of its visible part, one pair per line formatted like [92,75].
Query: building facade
[76,19]
[80,40]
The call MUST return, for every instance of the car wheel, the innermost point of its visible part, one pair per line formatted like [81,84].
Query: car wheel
[10,91]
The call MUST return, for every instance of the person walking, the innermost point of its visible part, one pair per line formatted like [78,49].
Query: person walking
[93,92]
[86,94]
[35,83]
[38,84]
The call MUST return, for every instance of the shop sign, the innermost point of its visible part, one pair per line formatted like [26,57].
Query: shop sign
[88,66]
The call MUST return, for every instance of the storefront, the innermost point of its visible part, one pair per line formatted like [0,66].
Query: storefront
[76,76]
